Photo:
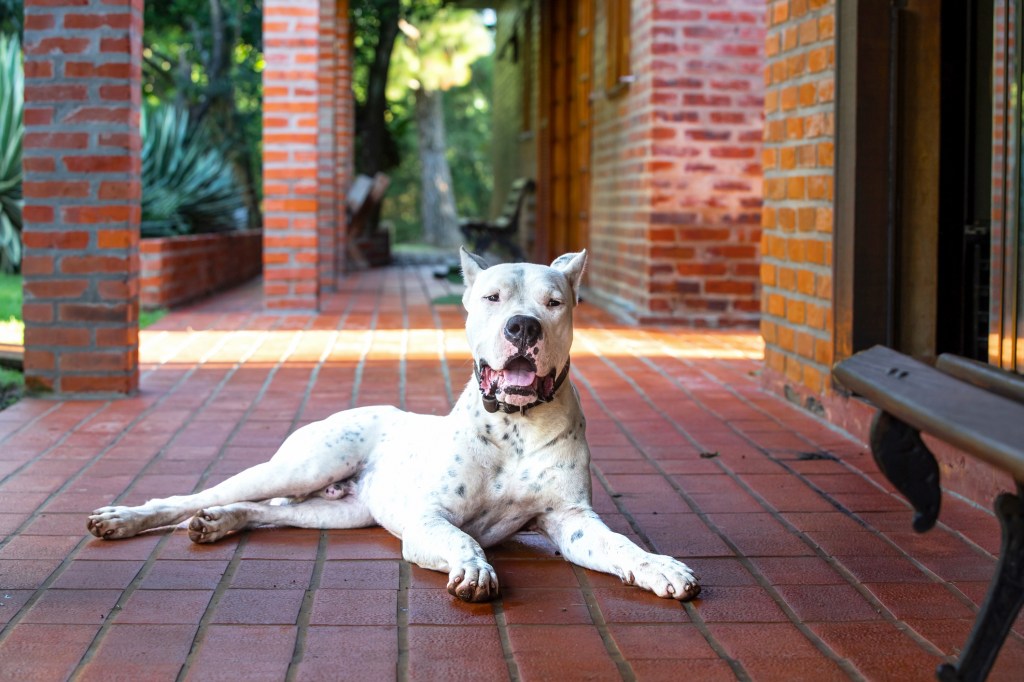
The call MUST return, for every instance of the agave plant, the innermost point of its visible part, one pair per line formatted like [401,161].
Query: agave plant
[11,130]
[188,183]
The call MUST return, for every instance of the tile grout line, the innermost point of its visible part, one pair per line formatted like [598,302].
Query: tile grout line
[498,609]
[402,621]
[306,609]
[626,671]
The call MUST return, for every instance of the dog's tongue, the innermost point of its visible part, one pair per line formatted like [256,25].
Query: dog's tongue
[518,373]
[519,377]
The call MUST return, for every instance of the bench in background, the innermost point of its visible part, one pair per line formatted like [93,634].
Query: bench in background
[481,234]
[978,409]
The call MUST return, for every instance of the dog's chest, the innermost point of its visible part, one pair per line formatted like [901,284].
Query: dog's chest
[506,478]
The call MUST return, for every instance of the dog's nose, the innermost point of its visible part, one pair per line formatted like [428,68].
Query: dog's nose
[522,330]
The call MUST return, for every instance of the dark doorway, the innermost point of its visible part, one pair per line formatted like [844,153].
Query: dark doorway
[965,204]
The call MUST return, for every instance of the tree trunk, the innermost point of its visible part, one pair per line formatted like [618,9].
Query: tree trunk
[437,200]
[373,128]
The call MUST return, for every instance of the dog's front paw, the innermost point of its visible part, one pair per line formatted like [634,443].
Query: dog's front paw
[474,581]
[664,576]
[114,523]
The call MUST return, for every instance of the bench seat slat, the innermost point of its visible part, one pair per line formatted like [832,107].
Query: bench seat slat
[989,426]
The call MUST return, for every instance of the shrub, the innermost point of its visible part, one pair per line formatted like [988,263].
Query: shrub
[188,183]
[11,130]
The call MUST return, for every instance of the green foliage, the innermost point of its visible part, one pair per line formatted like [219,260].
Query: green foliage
[437,52]
[10,297]
[206,56]
[468,122]
[11,12]
[11,133]
[187,181]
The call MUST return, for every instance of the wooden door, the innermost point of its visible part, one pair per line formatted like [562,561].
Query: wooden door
[563,194]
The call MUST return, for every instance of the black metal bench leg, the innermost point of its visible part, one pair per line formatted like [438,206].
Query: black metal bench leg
[1003,602]
[909,465]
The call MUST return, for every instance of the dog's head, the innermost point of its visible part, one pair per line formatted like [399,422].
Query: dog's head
[520,324]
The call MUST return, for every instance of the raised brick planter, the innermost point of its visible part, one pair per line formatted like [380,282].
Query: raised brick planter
[176,270]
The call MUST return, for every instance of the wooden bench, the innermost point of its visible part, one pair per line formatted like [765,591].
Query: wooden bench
[978,409]
[366,247]
[480,234]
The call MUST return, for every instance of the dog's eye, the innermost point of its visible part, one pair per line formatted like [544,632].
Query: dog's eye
[554,303]
[493,298]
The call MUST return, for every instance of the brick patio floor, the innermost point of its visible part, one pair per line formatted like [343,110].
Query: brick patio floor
[809,565]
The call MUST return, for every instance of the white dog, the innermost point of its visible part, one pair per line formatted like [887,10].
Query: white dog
[512,454]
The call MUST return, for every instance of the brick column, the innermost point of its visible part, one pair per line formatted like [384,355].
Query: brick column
[344,133]
[326,84]
[82,187]
[290,153]
[799,148]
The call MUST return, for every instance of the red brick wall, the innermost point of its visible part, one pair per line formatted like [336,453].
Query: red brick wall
[177,270]
[291,141]
[796,269]
[307,130]
[326,83]
[344,132]
[81,157]
[675,221]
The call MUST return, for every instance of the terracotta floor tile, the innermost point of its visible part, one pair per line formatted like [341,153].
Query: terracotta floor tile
[17,574]
[546,652]
[438,607]
[552,606]
[11,602]
[164,606]
[675,641]
[531,573]
[878,650]
[829,603]
[815,669]
[655,670]
[432,655]
[184,575]
[267,653]
[92,575]
[354,607]
[919,600]
[801,570]
[73,606]
[33,651]
[258,607]
[272,574]
[737,605]
[360,575]
[630,605]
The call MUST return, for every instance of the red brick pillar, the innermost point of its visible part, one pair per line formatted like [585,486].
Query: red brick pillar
[82,187]
[326,84]
[290,151]
[344,133]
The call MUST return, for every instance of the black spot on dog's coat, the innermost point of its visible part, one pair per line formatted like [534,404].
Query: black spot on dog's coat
[576,536]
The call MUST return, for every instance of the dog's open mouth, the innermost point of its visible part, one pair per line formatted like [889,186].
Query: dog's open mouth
[518,379]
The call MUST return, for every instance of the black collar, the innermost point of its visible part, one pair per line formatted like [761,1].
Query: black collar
[492,404]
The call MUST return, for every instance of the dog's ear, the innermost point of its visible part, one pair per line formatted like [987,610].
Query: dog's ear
[472,265]
[572,266]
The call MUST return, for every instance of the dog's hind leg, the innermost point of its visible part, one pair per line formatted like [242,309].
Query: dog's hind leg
[213,523]
[310,459]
